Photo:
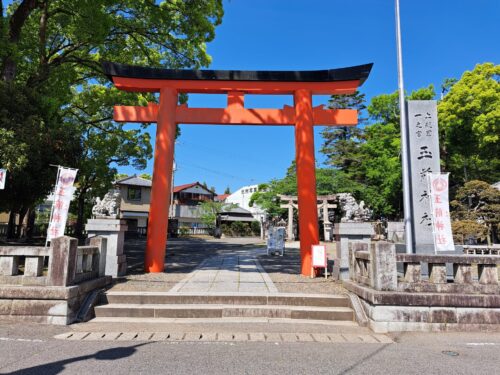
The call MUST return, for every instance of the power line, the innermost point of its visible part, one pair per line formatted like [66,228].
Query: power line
[219,173]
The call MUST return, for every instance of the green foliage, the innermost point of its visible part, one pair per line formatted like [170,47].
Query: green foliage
[55,49]
[240,229]
[183,231]
[34,140]
[255,227]
[368,159]
[146,176]
[210,210]
[328,181]
[469,121]
[477,200]
[464,229]
[341,144]
[227,191]
[120,176]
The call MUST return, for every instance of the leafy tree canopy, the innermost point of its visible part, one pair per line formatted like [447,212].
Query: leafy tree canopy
[469,121]
[55,47]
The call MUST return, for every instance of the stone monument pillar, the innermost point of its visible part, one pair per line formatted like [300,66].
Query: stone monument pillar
[327,224]
[346,232]
[106,224]
[114,231]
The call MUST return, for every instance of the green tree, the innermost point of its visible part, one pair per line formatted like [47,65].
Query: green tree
[227,191]
[380,161]
[328,181]
[341,144]
[479,202]
[469,121]
[210,210]
[37,141]
[55,48]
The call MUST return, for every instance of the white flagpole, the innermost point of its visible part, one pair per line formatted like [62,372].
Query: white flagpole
[408,209]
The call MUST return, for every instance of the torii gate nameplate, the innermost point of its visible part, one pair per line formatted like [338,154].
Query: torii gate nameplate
[167,114]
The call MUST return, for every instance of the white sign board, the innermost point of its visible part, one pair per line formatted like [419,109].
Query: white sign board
[319,256]
[438,187]
[3,177]
[62,198]
[276,240]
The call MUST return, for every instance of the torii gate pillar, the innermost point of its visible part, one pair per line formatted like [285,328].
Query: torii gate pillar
[306,177]
[162,182]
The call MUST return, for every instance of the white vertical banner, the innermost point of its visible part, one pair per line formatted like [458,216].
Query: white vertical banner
[441,224]
[63,194]
[3,177]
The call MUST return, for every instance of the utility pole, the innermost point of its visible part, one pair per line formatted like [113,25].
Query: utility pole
[408,209]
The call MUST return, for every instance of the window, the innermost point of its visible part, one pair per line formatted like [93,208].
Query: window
[134,194]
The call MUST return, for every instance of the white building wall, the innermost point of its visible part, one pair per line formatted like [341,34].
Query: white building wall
[241,197]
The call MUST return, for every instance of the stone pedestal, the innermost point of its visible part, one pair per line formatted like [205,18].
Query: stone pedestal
[344,233]
[114,231]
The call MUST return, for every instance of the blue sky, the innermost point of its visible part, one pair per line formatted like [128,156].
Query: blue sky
[441,39]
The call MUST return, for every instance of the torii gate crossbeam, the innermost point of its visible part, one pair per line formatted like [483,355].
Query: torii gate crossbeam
[167,114]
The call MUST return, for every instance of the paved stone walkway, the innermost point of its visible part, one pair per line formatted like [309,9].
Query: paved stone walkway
[234,272]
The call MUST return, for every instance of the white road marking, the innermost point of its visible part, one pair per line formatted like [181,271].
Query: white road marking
[21,340]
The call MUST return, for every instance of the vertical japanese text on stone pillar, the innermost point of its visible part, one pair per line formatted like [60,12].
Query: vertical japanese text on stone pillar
[424,159]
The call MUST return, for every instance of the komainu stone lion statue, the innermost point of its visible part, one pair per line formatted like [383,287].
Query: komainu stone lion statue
[353,212]
[107,207]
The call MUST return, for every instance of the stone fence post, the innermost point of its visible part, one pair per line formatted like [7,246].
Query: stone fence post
[383,275]
[102,244]
[62,261]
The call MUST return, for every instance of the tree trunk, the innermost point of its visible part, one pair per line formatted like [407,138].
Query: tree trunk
[30,229]
[11,228]
[80,216]
[16,23]
[22,215]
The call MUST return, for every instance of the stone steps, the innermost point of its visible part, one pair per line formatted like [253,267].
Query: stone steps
[149,305]
[227,298]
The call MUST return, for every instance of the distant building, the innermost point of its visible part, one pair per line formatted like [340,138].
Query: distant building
[242,196]
[135,201]
[186,209]
[135,195]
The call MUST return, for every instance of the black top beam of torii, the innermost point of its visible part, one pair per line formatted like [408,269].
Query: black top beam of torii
[354,73]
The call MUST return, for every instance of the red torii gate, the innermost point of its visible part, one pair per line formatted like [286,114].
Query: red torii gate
[167,114]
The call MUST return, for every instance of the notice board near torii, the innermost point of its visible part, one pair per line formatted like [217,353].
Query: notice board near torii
[235,83]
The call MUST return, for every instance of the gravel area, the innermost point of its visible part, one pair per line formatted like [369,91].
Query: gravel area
[284,271]
[185,254]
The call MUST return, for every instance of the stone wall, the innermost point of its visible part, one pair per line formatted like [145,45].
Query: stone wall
[50,284]
[467,300]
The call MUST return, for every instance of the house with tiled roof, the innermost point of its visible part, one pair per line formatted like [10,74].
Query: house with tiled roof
[135,195]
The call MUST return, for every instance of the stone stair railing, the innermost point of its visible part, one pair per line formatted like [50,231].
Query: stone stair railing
[376,266]
[68,264]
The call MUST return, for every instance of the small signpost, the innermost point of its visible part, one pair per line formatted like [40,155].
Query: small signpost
[3,177]
[319,259]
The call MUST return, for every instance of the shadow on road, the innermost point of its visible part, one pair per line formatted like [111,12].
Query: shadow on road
[102,355]
[183,254]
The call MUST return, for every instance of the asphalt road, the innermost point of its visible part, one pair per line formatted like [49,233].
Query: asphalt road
[33,350]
